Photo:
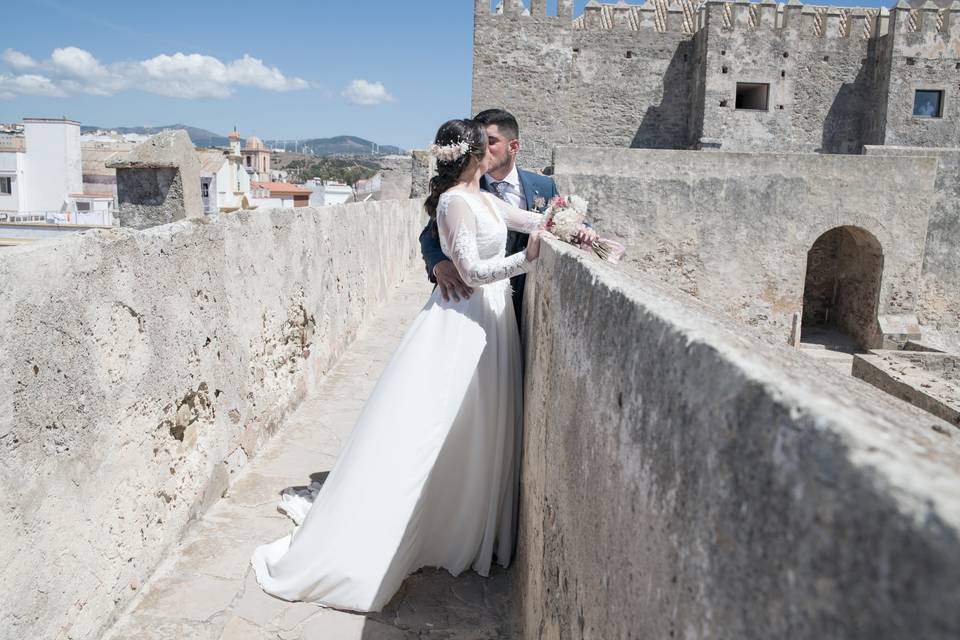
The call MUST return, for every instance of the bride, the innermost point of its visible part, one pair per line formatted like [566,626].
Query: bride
[429,474]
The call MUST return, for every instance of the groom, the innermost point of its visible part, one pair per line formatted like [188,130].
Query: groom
[523,189]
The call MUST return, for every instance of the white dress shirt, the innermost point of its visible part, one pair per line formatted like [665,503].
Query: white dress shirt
[513,193]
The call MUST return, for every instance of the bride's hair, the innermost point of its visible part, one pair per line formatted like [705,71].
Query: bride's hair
[448,171]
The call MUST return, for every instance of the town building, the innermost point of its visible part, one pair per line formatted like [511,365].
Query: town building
[326,192]
[279,195]
[256,159]
[225,183]
[41,177]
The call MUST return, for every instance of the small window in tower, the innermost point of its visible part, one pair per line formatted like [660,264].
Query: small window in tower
[928,104]
[629,54]
[248,161]
[723,103]
[752,96]
[723,69]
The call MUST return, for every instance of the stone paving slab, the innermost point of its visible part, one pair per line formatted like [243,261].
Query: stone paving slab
[206,590]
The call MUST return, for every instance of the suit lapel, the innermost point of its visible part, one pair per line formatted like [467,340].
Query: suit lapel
[529,193]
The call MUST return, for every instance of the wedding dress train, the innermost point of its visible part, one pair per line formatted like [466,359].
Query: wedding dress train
[429,474]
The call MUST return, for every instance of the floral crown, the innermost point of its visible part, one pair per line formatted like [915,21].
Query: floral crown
[450,152]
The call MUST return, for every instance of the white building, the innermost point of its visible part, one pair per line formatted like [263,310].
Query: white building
[224,182]
[41,177]
[326,193]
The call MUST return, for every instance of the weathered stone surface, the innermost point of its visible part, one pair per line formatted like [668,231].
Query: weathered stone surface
[424,168]
[930,381]
[734,229]
[939,310]
[396,177]
[128,384]
[158,181]
[680,480]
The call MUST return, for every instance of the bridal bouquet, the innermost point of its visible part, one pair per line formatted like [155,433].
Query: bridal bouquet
[564,216]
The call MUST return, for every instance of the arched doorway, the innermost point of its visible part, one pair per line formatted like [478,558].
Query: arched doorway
[841,292]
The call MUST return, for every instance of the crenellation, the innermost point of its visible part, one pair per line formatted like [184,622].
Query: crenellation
[791,16]
[858,24]
[767,14]
[834,23]
[565,9]
[809,21]
[929,15]
[593,15]
[953,21]
[538,8]
[900,19]
[647,16]
[742,14]
[676,22]
[621,16]
[514,7]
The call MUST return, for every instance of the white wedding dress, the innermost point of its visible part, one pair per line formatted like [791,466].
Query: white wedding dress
[429,474]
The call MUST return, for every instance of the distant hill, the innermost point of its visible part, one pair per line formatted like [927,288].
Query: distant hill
[200,137]
[339,145]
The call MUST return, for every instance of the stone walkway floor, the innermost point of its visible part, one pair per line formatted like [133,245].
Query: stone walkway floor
[206,589]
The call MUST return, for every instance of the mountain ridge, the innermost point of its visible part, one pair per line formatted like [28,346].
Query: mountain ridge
[336,145]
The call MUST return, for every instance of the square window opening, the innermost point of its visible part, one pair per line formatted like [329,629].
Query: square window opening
[629,54]
[83,206]
[723,69]
[752,96]
[6,186]
[928,103]
[723,103]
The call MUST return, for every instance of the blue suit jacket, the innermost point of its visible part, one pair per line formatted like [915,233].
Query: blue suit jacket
[534,186]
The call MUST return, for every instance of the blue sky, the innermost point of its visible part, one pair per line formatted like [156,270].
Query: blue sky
[386,70]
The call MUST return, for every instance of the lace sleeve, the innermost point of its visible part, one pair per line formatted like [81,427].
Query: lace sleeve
[516,219]
[458,225]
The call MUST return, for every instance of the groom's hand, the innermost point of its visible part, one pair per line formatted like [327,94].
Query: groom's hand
[450,283]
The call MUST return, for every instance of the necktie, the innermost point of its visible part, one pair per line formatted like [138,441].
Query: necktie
[501,188]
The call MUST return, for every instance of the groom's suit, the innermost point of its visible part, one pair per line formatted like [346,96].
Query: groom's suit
[537,191]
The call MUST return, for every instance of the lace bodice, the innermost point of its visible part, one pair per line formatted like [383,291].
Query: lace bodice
[473,234]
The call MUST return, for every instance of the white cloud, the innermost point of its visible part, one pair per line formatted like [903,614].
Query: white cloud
[250,72]
[367,93]
[17,60]
[73,70]
[28,85]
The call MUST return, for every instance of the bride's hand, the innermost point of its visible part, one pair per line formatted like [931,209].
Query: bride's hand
[533,243]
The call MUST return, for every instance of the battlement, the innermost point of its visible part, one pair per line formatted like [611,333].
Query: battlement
[690,16]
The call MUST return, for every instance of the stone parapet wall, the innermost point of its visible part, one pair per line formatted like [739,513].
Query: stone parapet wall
[142,368]
[734,229]
[925,379]
[682,481]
